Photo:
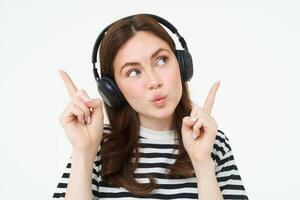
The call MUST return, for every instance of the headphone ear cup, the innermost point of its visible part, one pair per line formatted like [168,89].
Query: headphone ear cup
[110,93]
[185,64]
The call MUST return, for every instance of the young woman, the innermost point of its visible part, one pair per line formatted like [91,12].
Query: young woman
[158,144]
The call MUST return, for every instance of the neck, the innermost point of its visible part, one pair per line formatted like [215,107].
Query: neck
[159,124]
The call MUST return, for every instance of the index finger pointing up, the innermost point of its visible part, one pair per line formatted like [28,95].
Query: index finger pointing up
[208,105]
[68,82]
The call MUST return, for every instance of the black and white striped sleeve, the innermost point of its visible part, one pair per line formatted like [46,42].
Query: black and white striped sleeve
[63,182]
[227,173]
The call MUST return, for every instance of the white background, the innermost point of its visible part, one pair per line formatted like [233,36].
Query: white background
[251,46]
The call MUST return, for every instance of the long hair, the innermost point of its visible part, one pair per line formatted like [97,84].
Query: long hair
[119,149]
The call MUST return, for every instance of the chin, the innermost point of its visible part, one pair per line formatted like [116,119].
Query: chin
[163,112]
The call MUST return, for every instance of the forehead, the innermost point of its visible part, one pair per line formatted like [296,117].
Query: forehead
[138,48]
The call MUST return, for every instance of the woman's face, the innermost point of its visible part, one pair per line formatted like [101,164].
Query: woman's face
[151,70]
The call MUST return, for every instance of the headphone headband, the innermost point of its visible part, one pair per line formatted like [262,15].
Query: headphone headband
[157,18]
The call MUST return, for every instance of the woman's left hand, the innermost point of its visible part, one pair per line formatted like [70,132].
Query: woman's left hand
[199,136]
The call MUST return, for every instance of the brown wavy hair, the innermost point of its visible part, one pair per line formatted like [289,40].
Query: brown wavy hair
[119,149]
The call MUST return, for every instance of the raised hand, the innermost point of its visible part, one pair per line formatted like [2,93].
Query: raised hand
[199,129]
[82,118]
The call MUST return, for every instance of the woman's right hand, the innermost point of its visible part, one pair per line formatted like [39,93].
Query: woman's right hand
[82,119]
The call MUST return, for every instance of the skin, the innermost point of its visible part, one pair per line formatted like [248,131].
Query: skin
[83,117]
[156,75]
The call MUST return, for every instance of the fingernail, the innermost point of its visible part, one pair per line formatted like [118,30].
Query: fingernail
[88,100]
[193,119]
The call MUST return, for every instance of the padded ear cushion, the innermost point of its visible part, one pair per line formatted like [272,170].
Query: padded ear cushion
[179,56]
[110,93]
[185,64]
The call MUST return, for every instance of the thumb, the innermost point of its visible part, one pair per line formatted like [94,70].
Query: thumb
[96,105]
[187,124]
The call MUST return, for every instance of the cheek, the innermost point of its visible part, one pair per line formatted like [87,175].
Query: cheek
[173,79]
[134,95]
[132,91]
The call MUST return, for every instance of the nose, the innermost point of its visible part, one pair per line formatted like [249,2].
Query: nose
[154,80]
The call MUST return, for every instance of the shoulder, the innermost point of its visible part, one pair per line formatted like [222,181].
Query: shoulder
[222,140]
[221,146]
[106,130]
[106,127]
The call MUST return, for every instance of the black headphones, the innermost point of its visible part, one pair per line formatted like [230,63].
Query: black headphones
[107,87]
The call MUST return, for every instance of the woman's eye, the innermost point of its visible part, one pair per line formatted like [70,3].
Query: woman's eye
[132,72]
[164,58]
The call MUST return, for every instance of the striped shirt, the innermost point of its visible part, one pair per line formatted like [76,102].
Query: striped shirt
[157,151]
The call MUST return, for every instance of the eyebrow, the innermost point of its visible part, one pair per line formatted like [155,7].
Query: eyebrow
[152,56]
